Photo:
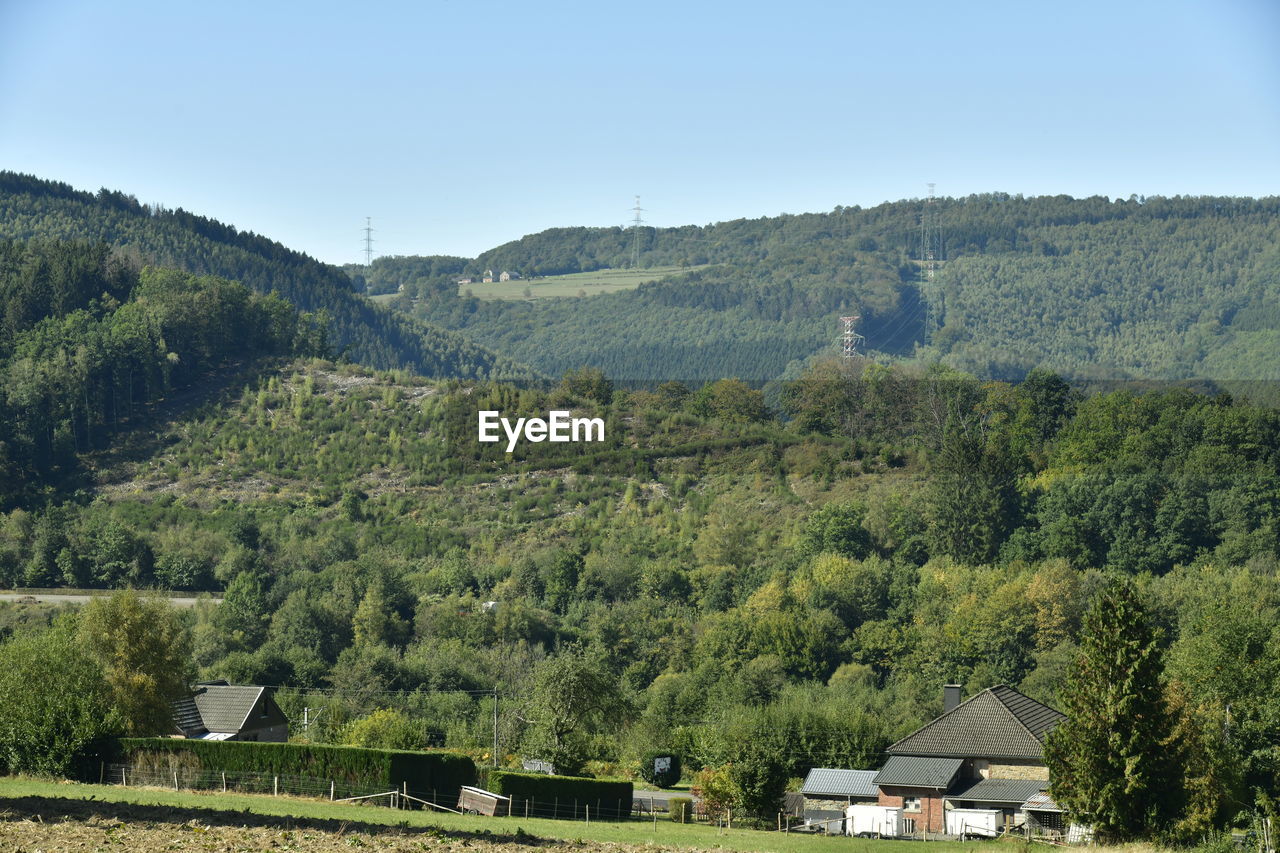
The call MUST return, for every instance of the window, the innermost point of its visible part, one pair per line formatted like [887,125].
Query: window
[911,804]
[909,825]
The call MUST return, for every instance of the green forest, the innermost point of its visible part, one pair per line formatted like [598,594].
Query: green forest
[758,580]
[152,235]
[1150,288]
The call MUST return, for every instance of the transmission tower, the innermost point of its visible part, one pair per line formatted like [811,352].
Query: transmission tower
[930,255]
[635,234]
[850,340]
[368,240]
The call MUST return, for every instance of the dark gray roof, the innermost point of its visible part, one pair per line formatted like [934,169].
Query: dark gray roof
[186,716]
[999,722]
[1015,791]
[225,708]
[916,772]
[840,783]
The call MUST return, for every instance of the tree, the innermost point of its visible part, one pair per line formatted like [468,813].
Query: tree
[573,696]
[1111,761]
[56,707]
[385,729]
[144,652]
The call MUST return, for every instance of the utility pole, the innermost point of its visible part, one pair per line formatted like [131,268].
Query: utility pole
[930,254]
[635,234]
[368,240]
[495,726]
[849,338]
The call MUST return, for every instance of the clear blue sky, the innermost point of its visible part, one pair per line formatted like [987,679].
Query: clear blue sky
[460,125]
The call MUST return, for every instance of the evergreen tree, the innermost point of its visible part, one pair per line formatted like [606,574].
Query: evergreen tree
[1110,761]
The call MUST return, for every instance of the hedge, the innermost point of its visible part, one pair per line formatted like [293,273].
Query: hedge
[350,768]
[562,796]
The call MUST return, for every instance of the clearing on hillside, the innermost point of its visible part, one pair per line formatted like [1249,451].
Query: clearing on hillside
[573,284]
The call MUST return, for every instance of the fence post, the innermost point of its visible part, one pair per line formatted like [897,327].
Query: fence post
[331,791]
[102,771]
[275,786]
[175,780]
[526,807]
[404,785]
[556,807]
[575,808]
[224,781]
[588,814]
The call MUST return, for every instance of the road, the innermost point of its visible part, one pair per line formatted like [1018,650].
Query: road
[82,597]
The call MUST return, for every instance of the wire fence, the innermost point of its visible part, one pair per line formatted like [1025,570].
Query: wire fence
[179,778]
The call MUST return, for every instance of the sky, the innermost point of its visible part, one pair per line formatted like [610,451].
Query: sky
[458,126]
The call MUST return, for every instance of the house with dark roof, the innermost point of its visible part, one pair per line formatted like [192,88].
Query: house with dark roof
[221,711]
[984,753]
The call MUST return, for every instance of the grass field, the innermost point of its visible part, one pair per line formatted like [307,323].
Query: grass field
[160,819]
[576,284]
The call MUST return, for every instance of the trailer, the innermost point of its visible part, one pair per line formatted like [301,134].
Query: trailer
[868,820]
[479,801]
[974,823]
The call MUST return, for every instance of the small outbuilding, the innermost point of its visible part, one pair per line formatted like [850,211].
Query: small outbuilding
[828,793]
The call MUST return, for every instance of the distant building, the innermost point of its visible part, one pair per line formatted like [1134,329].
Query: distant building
[488,277]
[221,711]
[509,276]
[462,281]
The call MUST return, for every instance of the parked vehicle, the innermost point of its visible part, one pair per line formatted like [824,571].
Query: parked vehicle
[868,820]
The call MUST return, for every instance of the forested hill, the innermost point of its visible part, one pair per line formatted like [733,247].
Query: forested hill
[1141,288]
[31,208]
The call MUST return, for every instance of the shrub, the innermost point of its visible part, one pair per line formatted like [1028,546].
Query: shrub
[350,768]
[661,768]
[608,799]
[681,809]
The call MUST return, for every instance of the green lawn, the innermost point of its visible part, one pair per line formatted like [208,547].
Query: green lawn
[576,284]
[369,818]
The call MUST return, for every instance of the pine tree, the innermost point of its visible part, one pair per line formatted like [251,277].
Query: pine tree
[1110,761]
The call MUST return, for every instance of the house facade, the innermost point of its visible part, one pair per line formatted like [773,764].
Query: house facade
[217,710]
[984,753]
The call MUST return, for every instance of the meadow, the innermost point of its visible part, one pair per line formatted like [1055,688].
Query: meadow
[573,284]
[40,814]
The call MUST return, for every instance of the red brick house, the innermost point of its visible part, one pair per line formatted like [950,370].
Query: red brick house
[986,752]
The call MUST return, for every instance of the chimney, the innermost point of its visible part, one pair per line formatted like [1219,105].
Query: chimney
[950,696]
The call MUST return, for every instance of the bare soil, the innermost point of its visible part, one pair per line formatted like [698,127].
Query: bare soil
[46,824]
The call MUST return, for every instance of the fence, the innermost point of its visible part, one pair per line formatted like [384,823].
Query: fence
[187,778]
[248,782]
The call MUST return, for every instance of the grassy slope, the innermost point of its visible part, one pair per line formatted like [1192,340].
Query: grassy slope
[573,284]
[247,810]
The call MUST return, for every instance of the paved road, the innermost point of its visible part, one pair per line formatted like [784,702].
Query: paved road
[81,598]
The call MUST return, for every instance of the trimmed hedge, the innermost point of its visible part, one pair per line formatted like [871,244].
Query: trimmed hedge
[349,768]
[567,796]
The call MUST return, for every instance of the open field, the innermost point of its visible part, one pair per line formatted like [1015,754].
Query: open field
[575,284]
[46,815]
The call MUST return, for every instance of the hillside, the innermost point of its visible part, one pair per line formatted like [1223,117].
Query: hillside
[724,577]
[31,208]
[1157,288]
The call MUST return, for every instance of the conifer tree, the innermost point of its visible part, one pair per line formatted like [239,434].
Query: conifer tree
[1111,762]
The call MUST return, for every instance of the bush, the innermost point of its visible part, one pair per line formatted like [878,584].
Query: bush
[681,809]
[350,768]
[661,768]
[608,799]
